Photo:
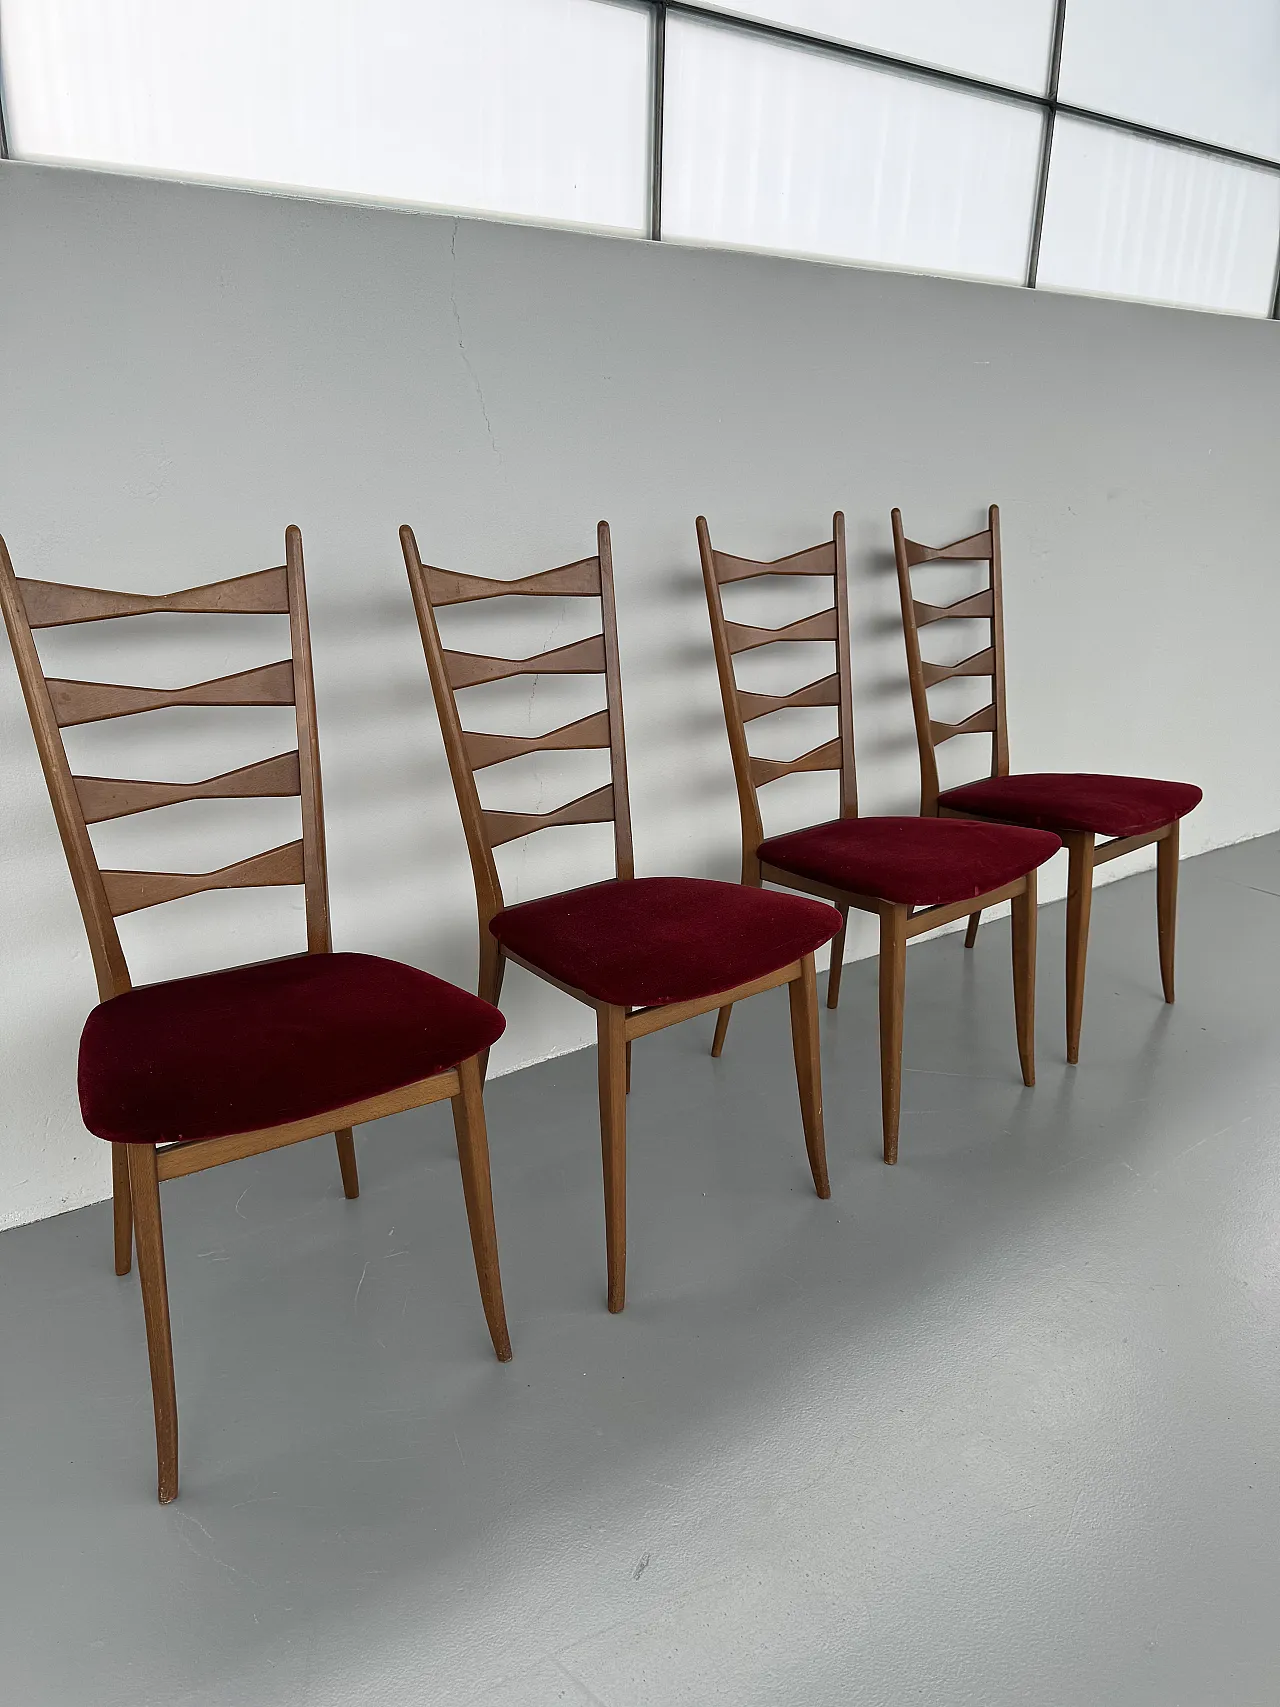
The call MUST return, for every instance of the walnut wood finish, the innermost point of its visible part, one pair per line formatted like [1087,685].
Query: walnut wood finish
[898,924]
[468,752]
[104,896]
[1084,852]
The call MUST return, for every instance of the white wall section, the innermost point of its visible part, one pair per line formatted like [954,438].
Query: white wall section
[187,370]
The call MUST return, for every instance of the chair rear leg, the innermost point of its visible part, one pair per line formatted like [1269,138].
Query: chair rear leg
[122,1207]
[971,931]
[836,967]
[346,1143]
[893,992]
[144,1185]
[1167,904]
[477,1188]
[1080,849]
[803,992]
[493,963]
[611,1041]
[1023,923]
[722,1030]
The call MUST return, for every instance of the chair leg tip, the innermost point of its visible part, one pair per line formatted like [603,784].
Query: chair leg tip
[824,1190]
[503,1349]
[1029,1078]
[167,1493]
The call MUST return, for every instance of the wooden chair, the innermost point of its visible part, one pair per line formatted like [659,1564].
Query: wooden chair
[184,1075]
[643,952]
[1079,807]
[914,873]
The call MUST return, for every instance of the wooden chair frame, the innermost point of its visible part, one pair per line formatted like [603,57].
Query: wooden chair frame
[616,1027]
[1084,850]
[104,896]
[899,923]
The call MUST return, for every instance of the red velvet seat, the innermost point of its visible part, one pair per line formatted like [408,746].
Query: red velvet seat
[260,1046]
[650,941]
[1077,800]
[919,862]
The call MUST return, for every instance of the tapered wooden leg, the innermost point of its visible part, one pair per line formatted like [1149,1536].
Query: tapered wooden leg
[722,1030]
[1167,904]
[893,991]
[144,1185]
[493,963]
[612,1064]
[837,961]
[971,930]
[122,1206]
[1079,903]
[628,1069]
[803,992]
[477,1189]
[1023,921]
[347,1162]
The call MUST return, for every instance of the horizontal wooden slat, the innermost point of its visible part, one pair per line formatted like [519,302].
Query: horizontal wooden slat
[51,604]
[485,750]
[981,723]
[583,658]
[593,808]
[103,797]
[975,549]
[570,580]
[980,664]
[823,758]
[977,605]
[815,560]
[820,626]
[95,702]
[824,692]
[129,891]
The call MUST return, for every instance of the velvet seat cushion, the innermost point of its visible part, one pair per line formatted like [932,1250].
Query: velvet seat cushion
[920,862]
[263,1045]
[1077,800]
[649,941]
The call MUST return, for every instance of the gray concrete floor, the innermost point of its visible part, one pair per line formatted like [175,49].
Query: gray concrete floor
[1000,1426]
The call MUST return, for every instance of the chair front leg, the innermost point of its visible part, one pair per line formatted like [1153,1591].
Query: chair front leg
[611,1040]
[722,1030]
[803,992]
[477,1189]
[346,1143]
[971,929]
[1080,850]
[122,1207]
[836,966]
[144,1186]
[893,993]
[1023,922]
[1167,903]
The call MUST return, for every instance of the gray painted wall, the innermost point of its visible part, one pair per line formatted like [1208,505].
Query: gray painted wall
[186,370]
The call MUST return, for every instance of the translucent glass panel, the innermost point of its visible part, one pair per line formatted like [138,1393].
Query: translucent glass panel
[536,108]
[772,147]
[1127,217]
[1001,41]
[1202,68]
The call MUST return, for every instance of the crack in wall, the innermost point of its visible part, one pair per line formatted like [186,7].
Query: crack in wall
[462,346]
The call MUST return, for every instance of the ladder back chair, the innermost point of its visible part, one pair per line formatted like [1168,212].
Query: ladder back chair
[913,873]
[1128,812]
[643,952]
[184,1075]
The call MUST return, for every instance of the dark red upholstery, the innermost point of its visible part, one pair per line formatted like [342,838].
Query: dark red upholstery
[1076,800]
[264,1045]
[922,862]
[650,941]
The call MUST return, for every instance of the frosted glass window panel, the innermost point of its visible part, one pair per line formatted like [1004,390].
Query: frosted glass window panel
[1202,68]
[1000,41]
[1129,217]
[774,147]
[532,108]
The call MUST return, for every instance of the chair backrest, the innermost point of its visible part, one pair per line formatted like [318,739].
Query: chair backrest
[79,801]
[741,707]
[984,605]
[470,751]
